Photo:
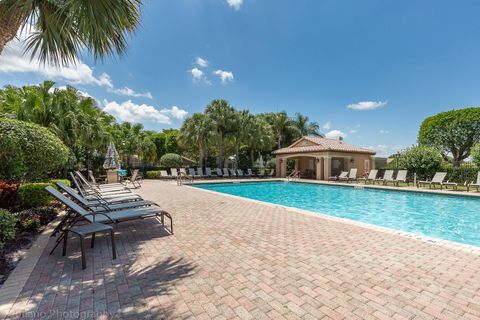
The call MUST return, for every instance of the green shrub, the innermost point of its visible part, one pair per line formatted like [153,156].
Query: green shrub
[422,160]
[32,195]
[152,175]
[171,160]
[29,151]
[7,226]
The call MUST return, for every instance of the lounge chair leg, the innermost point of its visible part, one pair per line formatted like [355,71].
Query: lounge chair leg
[65,236]
[59,239]
[114,248]
[92,242]
[82,247]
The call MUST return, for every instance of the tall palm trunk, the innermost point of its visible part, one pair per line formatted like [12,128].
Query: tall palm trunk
[221,151]
[10,21]
[237,154]
[252,160]
[201,157]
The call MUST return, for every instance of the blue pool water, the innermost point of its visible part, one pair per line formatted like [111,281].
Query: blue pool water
[453,218]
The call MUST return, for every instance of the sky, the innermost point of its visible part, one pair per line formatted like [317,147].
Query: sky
[370,71]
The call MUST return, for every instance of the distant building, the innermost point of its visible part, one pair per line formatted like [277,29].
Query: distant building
[321,158]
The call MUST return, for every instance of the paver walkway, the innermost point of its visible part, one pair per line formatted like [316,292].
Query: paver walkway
[233,258]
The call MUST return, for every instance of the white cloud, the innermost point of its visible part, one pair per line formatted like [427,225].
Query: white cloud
[327,125]
[199,61]
[367,105]
[13,60]
[197,75]
[126,91]
[175,112]
[225,76]
[129,111]
[352,131]
[381,131]
[235,3]
[335,134]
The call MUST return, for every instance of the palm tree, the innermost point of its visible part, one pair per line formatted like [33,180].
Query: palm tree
[195,132]
[221,113]
[241,122]
[304,126]
[259,137]
[281,126]
[63,29]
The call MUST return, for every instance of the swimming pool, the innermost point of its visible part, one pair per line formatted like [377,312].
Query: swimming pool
[453,218]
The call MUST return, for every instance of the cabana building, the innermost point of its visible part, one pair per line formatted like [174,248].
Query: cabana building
[320,158]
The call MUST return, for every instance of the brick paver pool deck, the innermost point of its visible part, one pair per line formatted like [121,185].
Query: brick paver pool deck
[238,259]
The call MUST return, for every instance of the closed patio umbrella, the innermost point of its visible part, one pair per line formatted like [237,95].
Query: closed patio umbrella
[261,165]
[111,158]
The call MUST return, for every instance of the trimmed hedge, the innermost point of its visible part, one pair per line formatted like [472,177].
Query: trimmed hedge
[152,174]
[29,151]
[171,160]
[462,173]
[31,195]
[54,181]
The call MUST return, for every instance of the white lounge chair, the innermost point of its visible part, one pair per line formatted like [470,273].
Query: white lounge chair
[106,196]
[106,187]
[476,184]
[219,173]
[438,179]
[192,174]
[233,174]
[352,176]
[372,175]
[183,171]
[164,174]
[208,172]
[200,173]
[249,172]
[401,177]
[387,176]
[225,172]
[174,172]
[103,189]
[240,173]
[343,175]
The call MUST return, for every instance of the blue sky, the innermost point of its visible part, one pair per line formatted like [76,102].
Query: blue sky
[405,60]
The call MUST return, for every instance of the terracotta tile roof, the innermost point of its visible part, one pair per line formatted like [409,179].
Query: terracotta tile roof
[322,144]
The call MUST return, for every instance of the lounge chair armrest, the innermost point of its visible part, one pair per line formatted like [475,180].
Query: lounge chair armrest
[94,214]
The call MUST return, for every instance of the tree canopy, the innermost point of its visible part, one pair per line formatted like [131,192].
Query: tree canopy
[63,29]
[221,131]
[453,132]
